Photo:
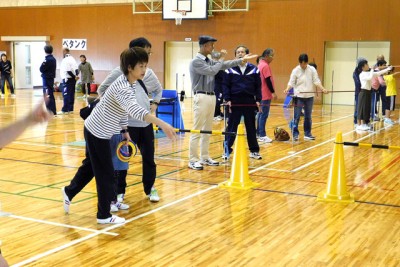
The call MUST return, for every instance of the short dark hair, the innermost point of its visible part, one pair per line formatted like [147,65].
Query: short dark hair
[267,52]
[131,57]
[381,62]
[245,48]
[48,49]
[361,64]
[3,55]
[83,56]
[140,42]
[303,58]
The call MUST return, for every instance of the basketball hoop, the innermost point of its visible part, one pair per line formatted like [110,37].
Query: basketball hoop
[179,14]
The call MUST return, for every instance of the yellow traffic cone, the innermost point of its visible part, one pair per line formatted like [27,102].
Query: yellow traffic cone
[336,190]
[240,171]
[6,91]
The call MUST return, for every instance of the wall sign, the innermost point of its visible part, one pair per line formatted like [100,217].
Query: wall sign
[75,44]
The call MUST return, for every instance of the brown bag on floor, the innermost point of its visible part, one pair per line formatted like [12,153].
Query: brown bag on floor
[281,134]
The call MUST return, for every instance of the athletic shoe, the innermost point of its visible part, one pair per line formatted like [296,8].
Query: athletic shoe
[111,220]
[12,95]
[71,112]
[295,138]
[388,121]
[365,127]
[120,197]
[62,113]
[153,196]
[218,118]
[66,201]
[255,155]
[225,157]
[114,207]
[309,137]
[195,165]
[265,139]
[209,162]
[2,95]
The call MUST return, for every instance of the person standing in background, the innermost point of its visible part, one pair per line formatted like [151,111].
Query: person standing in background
[202,74]
[6,75]
[267,92]
[86,70]
[48,70]
[69,75]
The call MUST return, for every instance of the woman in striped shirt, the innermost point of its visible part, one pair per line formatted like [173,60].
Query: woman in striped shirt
[108,117]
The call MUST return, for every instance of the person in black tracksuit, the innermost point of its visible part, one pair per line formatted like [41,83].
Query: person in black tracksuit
[6,74]
[242,92]
[48,70]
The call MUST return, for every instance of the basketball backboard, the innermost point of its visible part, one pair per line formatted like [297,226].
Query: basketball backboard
[195,9]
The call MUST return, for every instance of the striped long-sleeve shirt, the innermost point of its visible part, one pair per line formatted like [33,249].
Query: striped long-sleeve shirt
[111,113]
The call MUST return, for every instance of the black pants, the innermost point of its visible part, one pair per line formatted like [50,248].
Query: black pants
[84,86]
[97,163]
[144,138]
[7,78]
[249,114]
[69,95]
[48,91]
[364,105]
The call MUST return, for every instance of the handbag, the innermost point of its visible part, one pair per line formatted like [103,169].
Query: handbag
[85,112]
[281,134]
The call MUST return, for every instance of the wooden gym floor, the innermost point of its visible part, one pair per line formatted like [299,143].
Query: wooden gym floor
[196,223]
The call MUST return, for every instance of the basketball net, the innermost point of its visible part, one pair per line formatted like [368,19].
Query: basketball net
[179,16]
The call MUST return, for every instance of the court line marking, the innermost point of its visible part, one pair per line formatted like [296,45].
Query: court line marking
[77,241]
[60,224]
[312,147]
[330,153]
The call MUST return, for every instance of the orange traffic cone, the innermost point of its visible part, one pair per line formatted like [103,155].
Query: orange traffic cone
[240,171]
[336,190]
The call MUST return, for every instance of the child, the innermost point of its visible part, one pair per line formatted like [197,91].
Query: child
[364,98]
[391,93]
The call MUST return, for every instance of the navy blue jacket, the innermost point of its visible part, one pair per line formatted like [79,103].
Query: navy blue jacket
[237,85]
[48,67]
[357,82]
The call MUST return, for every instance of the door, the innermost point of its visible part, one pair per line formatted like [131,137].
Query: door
[28,56]
[340,62]
[177,59]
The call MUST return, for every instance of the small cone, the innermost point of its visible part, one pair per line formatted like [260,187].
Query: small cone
[239,172]
[336,190]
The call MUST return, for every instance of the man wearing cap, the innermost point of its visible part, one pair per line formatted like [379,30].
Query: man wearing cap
[202,72]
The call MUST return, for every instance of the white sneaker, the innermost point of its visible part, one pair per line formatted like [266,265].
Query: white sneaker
[365,127]
[225,157]
[120,197]
[114,207]
[218,118]
[66,201]
[153,196]
[2,95]
[195,165]
[12,95]
[255,155]
[111,220]
[388,121]
[265,139]
[209,162]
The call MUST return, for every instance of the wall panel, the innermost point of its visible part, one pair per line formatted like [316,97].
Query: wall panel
[289,26]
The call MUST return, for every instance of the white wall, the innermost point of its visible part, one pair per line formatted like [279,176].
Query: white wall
[340,62]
